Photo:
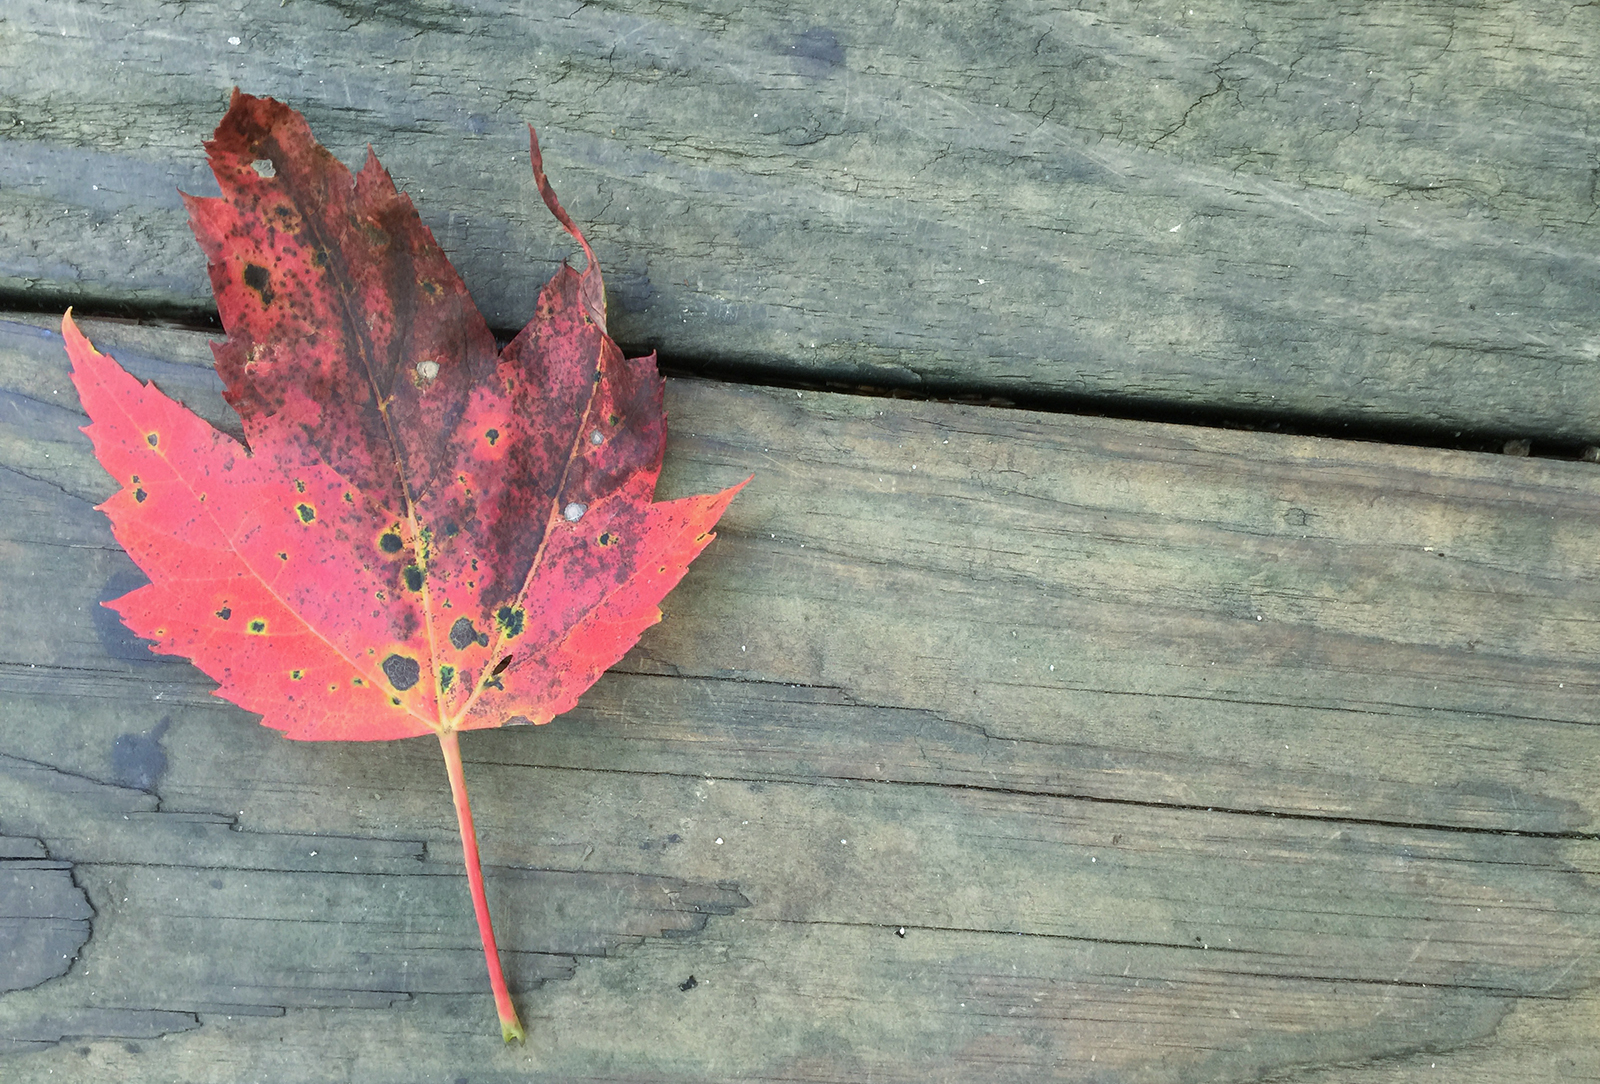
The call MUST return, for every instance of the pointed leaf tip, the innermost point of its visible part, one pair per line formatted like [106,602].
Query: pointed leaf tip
[593,289]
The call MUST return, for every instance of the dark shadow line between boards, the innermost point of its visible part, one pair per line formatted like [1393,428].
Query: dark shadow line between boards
[779,374]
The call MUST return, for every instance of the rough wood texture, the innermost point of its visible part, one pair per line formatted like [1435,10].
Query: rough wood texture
[982,745]
[1338,213]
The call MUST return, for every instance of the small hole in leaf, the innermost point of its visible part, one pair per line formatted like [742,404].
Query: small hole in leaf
[607,538]
[427,370]
[574,512]
[264,168]
[597,437]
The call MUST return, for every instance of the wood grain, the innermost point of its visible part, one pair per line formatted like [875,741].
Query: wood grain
[1341,215]
[982,744]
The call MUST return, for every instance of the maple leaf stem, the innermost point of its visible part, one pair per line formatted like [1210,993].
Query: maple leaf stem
[510,1026]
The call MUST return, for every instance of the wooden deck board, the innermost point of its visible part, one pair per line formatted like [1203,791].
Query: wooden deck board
[1377,216]
[1172,753]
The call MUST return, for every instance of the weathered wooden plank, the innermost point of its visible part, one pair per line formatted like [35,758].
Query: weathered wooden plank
[1349,213]
[982,745]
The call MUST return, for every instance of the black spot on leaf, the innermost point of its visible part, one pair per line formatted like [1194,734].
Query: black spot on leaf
[500,667]
[139,495]
[225,613]
[306,512]
[463,635]
[257,278]
[447,674]
[413,576]
[509,620]
[390,542]
[401,671]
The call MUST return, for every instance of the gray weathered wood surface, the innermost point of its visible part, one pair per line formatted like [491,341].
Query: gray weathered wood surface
[1174,754]
[1338,213]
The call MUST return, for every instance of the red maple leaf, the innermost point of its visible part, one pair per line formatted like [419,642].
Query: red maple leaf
[425,534]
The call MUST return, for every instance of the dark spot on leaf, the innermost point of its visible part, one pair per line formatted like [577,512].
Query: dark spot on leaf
[257,278]
[395,700]
[491,436]
[282,556]
[462,635]
[139,495]
[296,674]
[401,671]
[390,543]
[447,674]
[500,667]
[299,485]
[429,288]
[358,683]
[226,613]
[413,576]
[152,439]
[307,513]
[258,625]
[510,621]
[607,538]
